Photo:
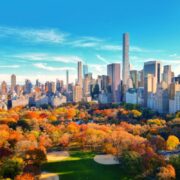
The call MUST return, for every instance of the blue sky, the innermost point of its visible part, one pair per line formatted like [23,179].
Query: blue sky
[43,38]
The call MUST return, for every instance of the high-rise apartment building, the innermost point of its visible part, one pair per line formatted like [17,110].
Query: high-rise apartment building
[113,71]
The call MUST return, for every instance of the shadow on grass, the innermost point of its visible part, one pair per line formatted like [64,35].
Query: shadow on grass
[81,166]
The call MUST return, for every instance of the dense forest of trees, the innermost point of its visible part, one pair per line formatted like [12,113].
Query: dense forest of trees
[133,134]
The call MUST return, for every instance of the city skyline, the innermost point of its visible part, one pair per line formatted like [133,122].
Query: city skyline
[52,42]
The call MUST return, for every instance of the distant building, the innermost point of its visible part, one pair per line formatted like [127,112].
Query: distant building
[140,95]
[113,71]
[38,84]
[134,78]
[13,82]
[176,79]
[104,83]
[87,85]
[28,86]
[154,68]
[50,87]
[174,104]
[58,100]
[141,78]
[77,93]
[167,74]
[85,69]
[4,88]
[174,97]
[150,86]
[41,100]
[105,98]
[162,101]
[159,101]
[21,101]
[131,96]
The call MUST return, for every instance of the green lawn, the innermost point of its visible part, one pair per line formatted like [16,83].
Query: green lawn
[81,166]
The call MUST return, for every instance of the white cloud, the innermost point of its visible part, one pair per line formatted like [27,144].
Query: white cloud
[109,47]
[49,57]
[102,59]
[34,35]
[97,69]
[10,66]
[85,42]
[50,68]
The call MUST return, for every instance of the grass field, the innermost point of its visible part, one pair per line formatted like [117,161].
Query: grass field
[81,166]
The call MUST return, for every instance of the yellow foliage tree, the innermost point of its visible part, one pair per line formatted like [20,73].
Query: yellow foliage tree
[172,142]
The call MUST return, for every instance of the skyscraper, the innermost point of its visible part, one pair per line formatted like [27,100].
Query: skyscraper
[86,84]
[77,93]
[3,88]
[134,77]
[28,86]
[167,74]
[154,68]
[85,69]
[125,69]
[150,86]
[113,71]
[79,73]
[13,82]
[67,79]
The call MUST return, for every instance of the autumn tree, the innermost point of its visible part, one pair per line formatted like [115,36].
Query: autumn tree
[25,176]
[166,173]
[132,162]
[11,168]
[172,142]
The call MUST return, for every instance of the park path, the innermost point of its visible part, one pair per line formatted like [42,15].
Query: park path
[106,159]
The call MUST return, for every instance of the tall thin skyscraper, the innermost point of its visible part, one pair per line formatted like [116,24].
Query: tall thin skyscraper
[125,69]
[13,81]
[113,71]
[67,79]
[80,73]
